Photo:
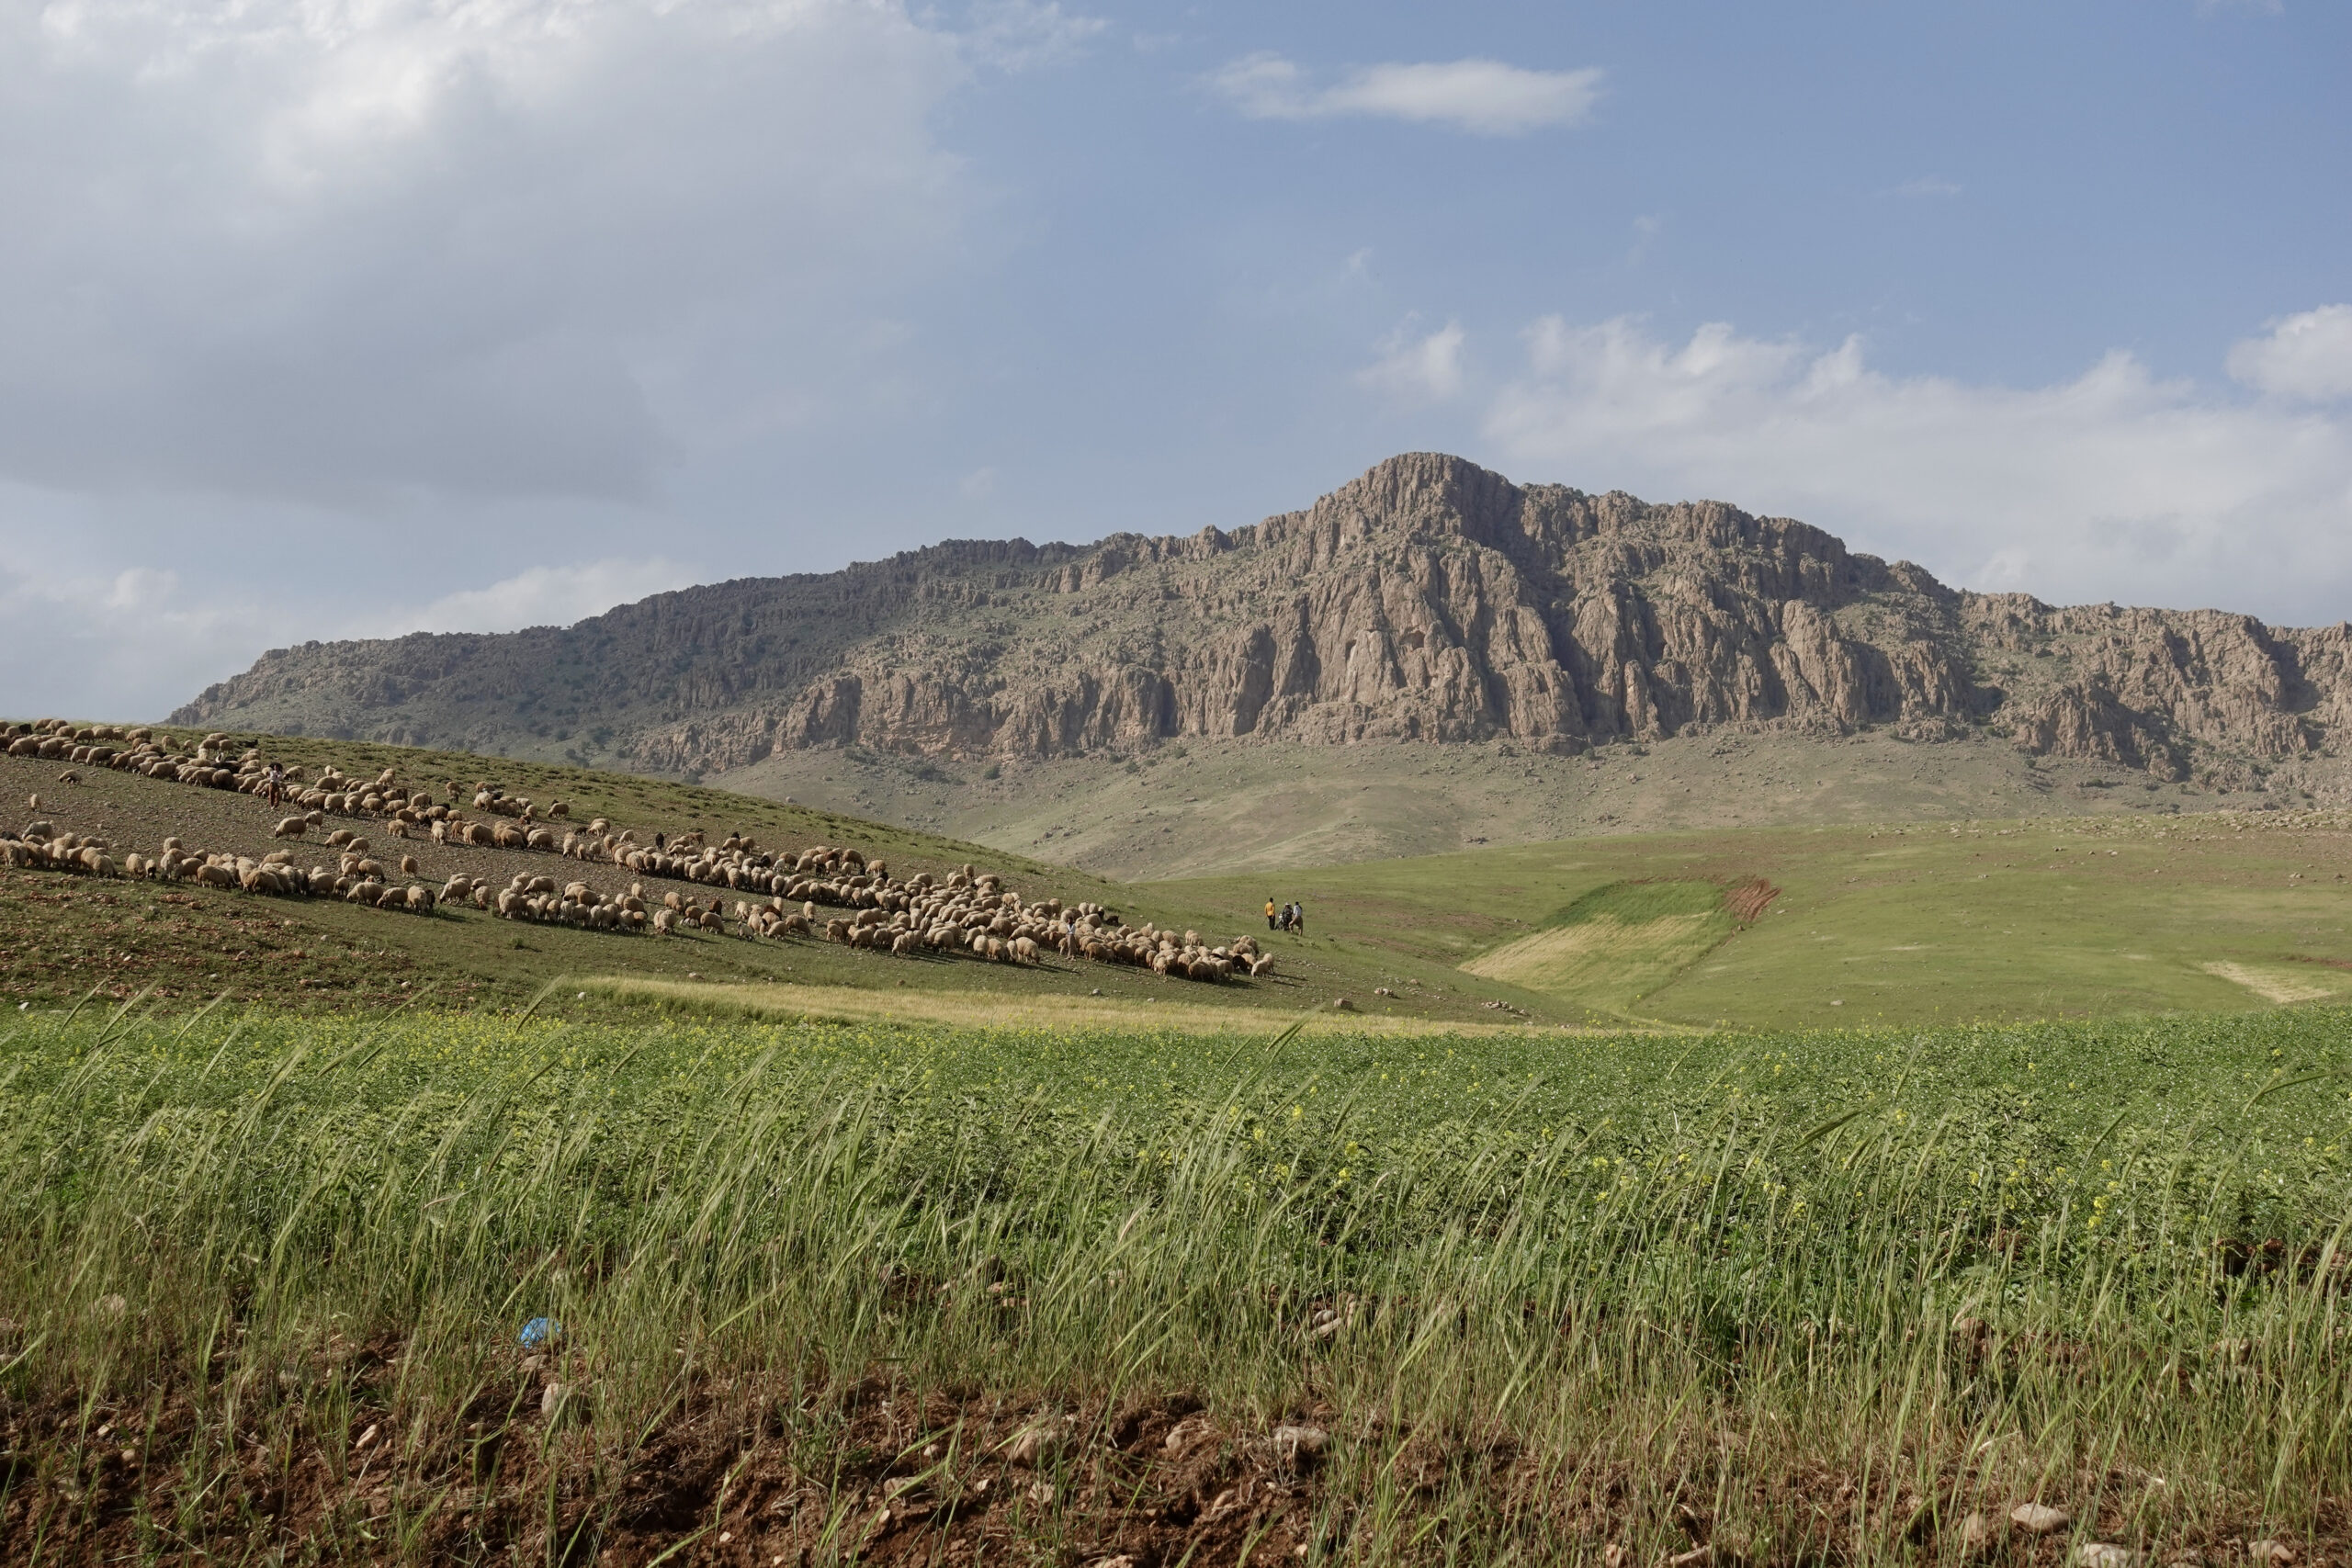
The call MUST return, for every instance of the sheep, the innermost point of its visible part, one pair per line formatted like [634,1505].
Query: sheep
[290,827]
[409,866]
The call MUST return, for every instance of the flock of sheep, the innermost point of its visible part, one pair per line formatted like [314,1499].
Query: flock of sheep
[965,912]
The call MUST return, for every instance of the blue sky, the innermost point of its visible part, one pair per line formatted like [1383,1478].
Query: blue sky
[339,319]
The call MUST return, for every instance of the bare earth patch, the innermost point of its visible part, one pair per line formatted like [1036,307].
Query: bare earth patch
[2270,987]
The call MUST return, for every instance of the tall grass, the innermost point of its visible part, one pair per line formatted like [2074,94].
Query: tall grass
[1814,1297]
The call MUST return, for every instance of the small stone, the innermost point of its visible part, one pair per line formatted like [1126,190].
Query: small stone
[1614,1555]
[366,1438]
[1028,1444]
[2272,1553]
[1697,1557]
[2037,1518]
[1975,1534]
[726,1535]
[1122,1561]
[1341,1004]
[551,1398]
[1300,1441]
[1041,1492]
[2105,1554]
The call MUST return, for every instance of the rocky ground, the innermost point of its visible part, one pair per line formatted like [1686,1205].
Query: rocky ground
[1426,600]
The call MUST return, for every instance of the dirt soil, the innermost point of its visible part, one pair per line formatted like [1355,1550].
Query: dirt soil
[902,1478]
[874,1471]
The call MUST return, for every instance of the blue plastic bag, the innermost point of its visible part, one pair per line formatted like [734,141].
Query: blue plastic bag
[539,1331]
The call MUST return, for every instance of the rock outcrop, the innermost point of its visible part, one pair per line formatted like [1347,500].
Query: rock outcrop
[1429,599]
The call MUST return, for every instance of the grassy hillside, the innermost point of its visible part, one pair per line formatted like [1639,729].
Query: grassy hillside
[62,934]
[2125,912]
[1202,807]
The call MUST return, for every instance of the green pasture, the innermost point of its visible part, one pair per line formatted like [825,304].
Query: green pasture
[1828,1291]
[1998,921]
[2120,914]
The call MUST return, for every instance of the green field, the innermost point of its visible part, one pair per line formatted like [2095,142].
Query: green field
[1893,924]
[1797,1193]
[1916,924]
[930,1295]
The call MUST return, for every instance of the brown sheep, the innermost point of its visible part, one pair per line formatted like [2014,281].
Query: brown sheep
[409,866]
[291,827]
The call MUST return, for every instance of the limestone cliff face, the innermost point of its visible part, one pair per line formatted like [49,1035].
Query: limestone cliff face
[1427,600]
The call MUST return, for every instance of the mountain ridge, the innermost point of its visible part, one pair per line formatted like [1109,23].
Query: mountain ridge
[1428,599]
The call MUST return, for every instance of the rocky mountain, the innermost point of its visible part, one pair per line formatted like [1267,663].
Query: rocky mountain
[1429,600]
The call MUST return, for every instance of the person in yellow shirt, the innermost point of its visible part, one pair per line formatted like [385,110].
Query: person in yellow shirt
[1269,913]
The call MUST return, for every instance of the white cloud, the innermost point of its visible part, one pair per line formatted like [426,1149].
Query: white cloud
[2307,357]
[129,646]
[1017,35]
[346,250]
[140,642]
[1646,229]
[542,596]
[1484,97]
[1425,368]
[2114,484]
[1928,185]
[977,485]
